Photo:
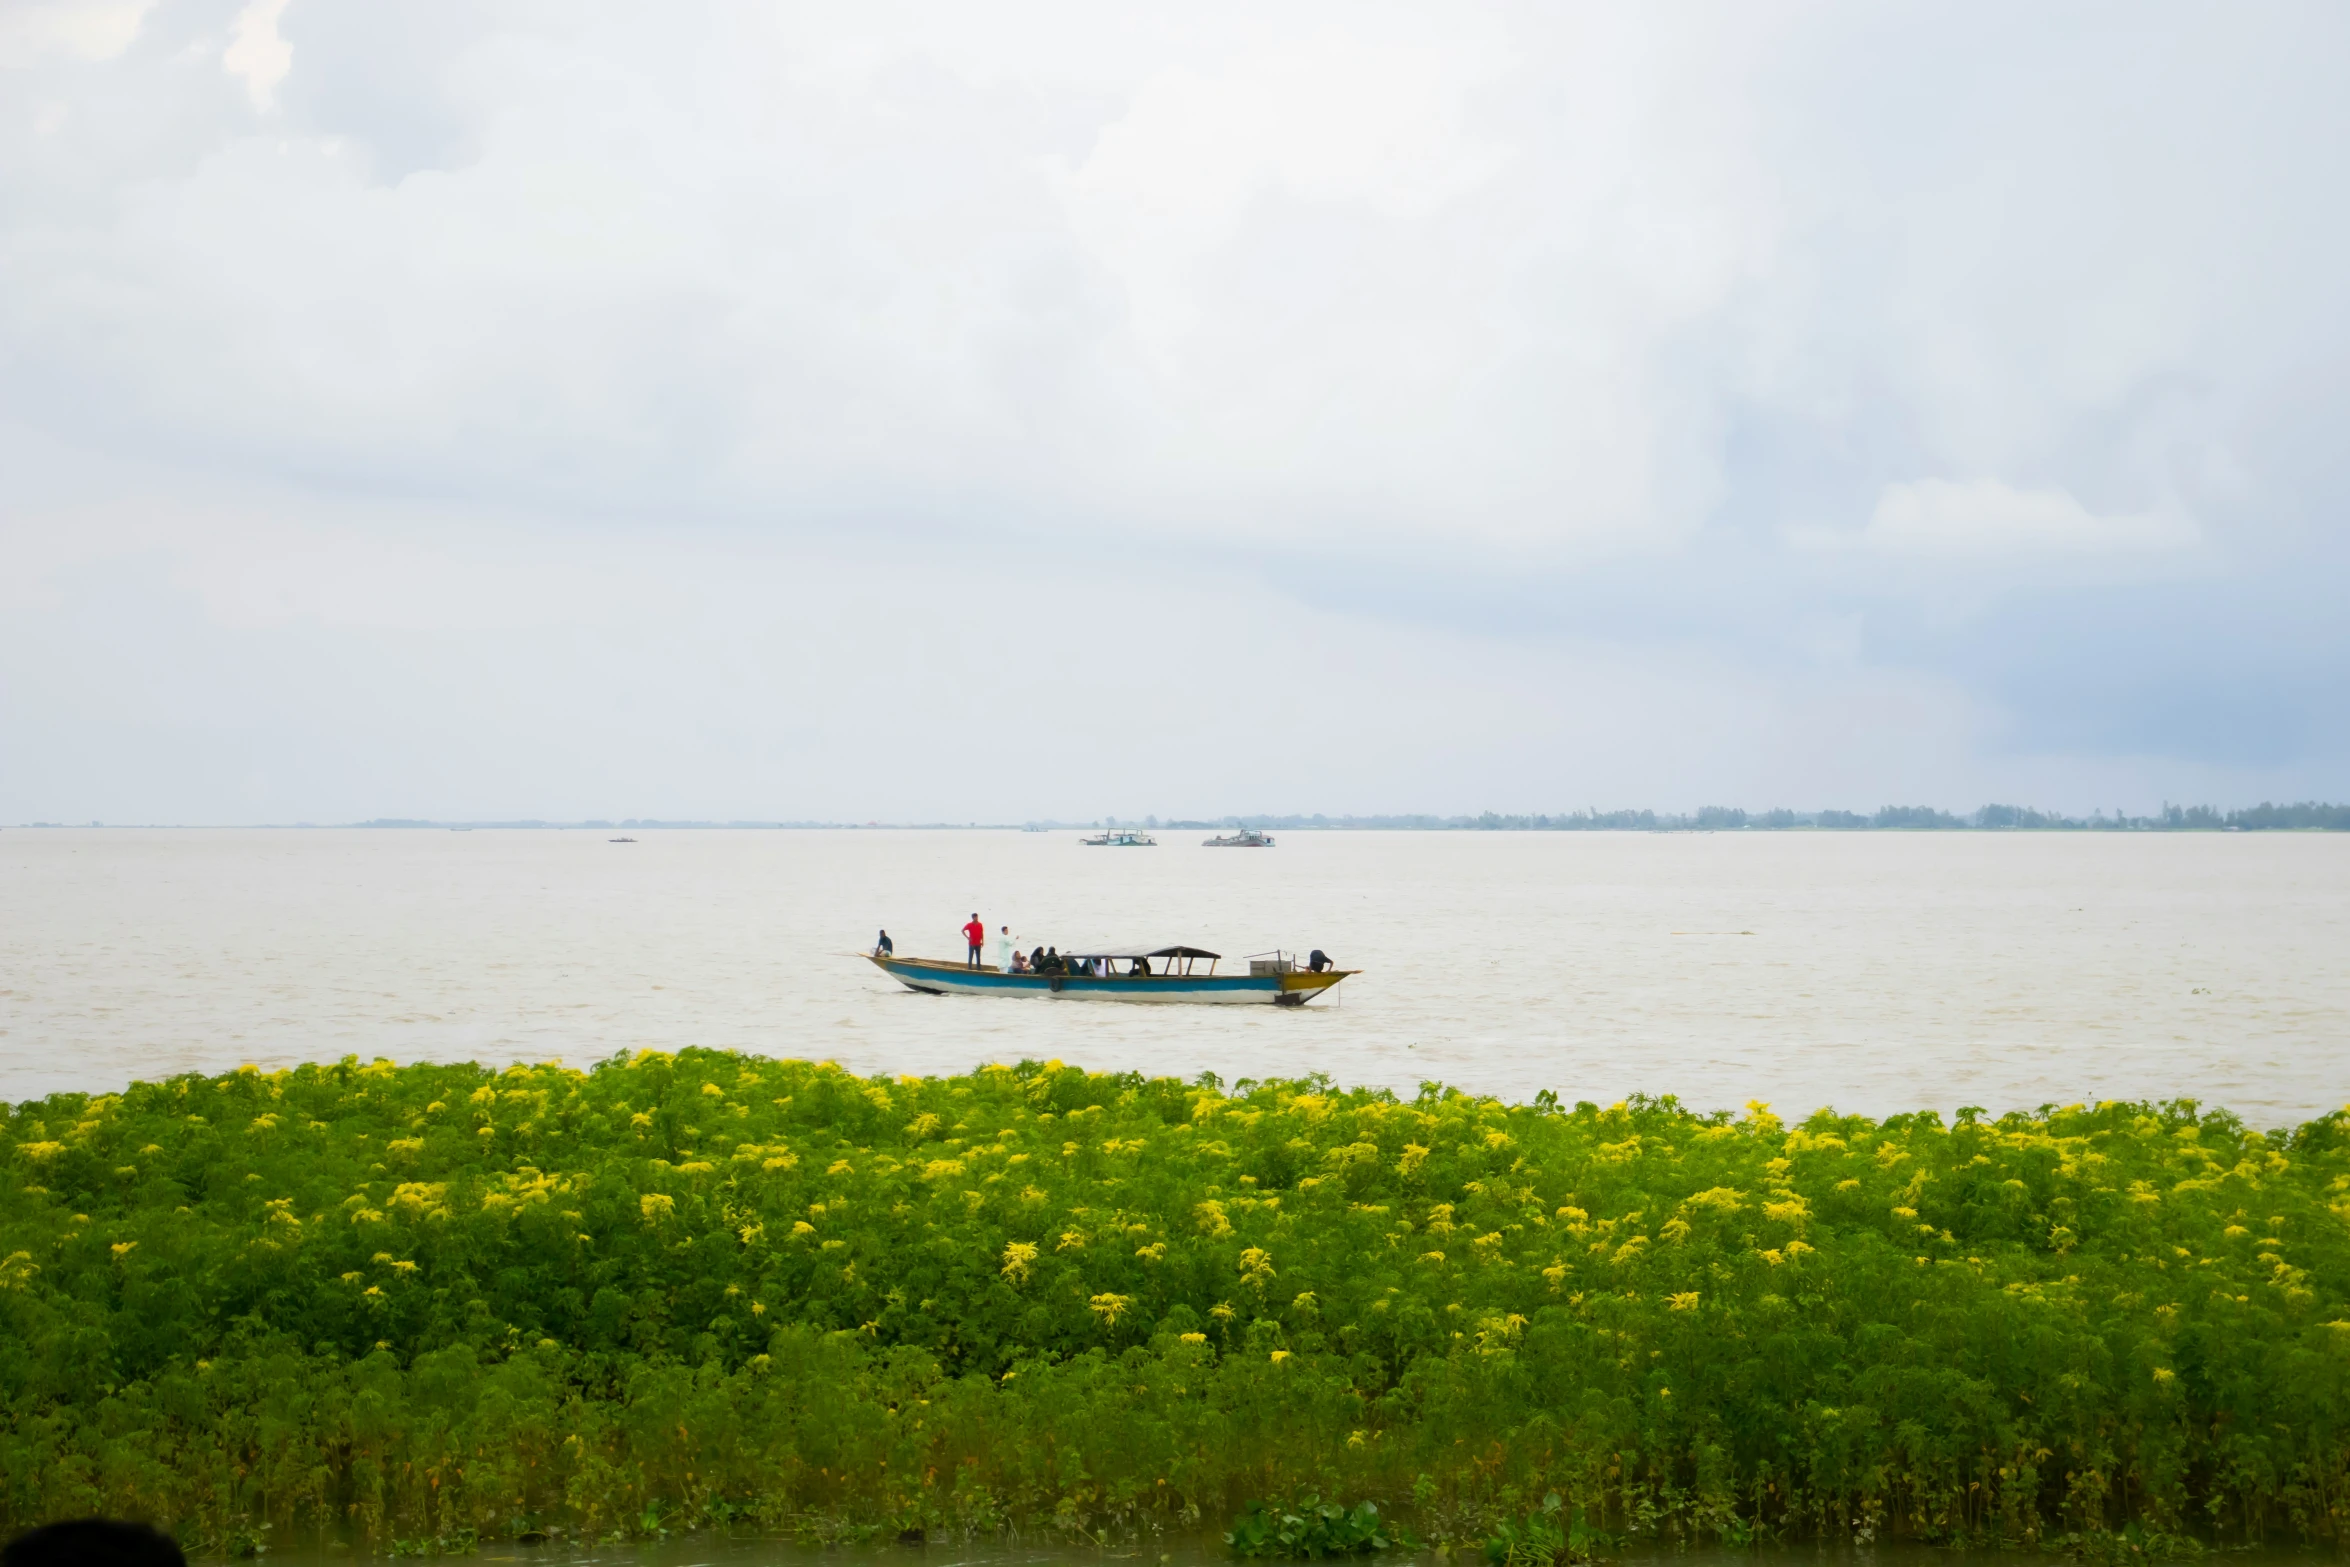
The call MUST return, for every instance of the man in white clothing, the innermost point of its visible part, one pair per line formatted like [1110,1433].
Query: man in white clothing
[1005,946]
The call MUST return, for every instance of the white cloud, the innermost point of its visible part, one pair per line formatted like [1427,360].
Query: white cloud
[512,668]
[1985,518]
[1336,117]
[1484,318]
[84,30]
[1368,276]
[258,53]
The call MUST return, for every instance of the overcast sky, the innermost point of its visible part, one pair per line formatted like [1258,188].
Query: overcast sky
[466,408]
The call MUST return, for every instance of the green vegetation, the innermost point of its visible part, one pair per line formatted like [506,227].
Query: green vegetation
[1310,1530]
[1547,1537]
[428,1302]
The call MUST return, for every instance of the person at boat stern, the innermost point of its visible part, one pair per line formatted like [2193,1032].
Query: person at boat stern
[976,934]
[885,947]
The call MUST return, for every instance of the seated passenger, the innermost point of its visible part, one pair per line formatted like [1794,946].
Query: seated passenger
[1019,962]
[1142,966]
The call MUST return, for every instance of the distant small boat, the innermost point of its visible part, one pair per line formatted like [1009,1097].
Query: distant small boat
[1246,838]
[620,840]
[1121,838]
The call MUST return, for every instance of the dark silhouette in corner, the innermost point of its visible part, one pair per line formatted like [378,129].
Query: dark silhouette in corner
[92,1542]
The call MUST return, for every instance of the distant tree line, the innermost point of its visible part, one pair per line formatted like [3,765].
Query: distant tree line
[2306,816]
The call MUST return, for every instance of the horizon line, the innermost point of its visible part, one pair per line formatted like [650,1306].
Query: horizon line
[2267,816]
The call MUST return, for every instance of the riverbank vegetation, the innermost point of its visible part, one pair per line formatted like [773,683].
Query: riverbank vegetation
[437,1302]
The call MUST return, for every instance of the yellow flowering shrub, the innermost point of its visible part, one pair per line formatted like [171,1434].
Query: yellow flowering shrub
[599,1301]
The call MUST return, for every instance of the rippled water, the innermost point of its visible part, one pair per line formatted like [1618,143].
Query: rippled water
[1869,971]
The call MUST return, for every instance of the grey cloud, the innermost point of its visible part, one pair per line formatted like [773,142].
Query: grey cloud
[1981,369]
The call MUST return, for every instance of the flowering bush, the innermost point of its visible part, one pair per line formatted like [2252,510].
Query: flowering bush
[412,1302]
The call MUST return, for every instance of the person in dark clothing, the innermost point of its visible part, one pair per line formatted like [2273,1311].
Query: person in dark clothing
[92,1542]
[1036,961]
[1319,961]
[885,947]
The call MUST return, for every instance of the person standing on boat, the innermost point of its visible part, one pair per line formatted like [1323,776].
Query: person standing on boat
[976,934]
[1004,948]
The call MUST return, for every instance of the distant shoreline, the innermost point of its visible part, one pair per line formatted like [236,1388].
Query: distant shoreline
[2308,816]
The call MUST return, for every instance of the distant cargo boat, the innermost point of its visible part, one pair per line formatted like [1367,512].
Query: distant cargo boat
[1121,838]
[1169,973]
[1246,838]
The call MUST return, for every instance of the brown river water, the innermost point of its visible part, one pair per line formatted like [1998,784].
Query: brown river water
[1869,971]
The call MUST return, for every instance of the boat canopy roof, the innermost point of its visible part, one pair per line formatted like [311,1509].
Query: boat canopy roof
[1173,950]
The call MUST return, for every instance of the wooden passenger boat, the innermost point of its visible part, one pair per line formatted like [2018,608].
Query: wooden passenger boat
[1246,838]
[1120,838]
[1169,973]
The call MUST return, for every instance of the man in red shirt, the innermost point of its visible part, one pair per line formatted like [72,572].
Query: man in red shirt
[976,934]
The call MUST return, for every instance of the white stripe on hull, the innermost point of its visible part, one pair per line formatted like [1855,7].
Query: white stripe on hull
[1100,990]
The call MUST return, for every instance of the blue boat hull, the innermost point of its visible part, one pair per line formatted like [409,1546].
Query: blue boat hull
[954,979]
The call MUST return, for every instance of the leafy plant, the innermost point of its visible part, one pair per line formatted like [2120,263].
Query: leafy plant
[1311,1528]
[2132,1543]
[244,1540]
[1547,1537]
[460,1542]
[407,1302]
